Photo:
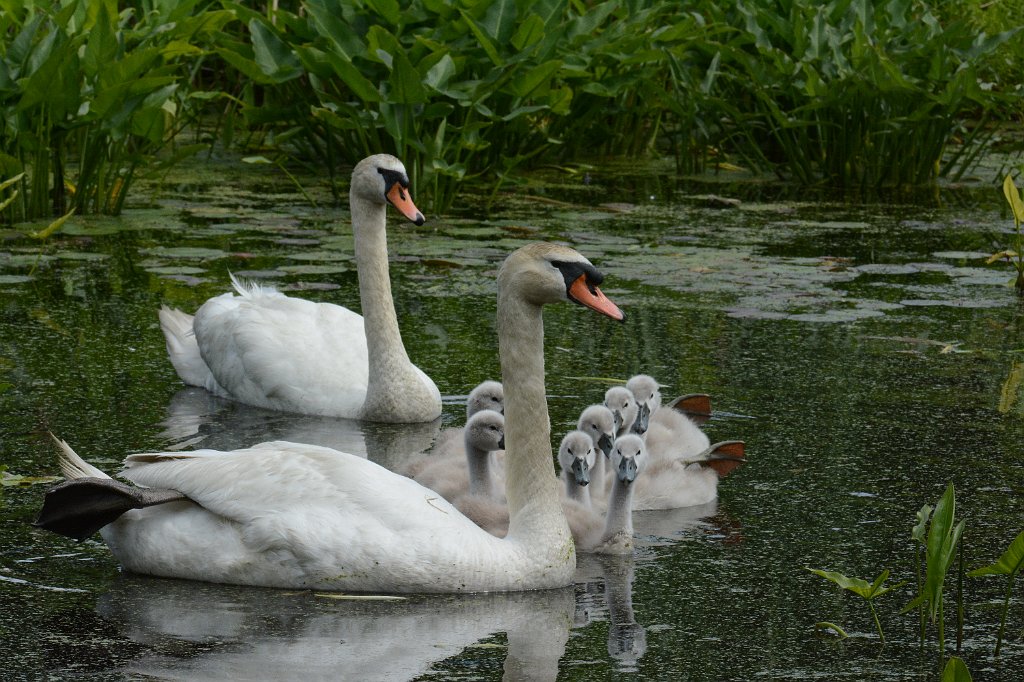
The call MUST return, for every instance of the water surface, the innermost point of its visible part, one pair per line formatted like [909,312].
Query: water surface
[863,350]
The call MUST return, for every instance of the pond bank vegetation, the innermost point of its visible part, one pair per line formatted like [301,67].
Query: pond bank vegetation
[848,93]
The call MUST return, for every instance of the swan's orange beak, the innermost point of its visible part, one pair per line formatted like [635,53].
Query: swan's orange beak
[401,200]
[594,299]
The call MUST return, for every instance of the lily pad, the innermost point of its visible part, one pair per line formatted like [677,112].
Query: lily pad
[313,269]
[14,279]
[175,270]
[185,252]
[81,255]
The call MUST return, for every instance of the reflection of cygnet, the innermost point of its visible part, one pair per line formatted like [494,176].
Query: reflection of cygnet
[455,469]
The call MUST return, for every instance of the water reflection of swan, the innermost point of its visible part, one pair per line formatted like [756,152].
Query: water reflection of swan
[266,349]
[611,576]
[200,631]
[198,419]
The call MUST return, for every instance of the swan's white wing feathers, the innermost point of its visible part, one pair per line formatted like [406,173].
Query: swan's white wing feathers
[286,353]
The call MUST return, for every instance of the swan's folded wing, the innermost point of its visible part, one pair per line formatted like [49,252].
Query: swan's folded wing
[286,353]
[304,481]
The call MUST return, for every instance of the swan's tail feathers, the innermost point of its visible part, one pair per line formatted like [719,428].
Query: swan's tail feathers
[182,347]
[724,457]
[71,465]
[250,290]
[696,406]
[79,507]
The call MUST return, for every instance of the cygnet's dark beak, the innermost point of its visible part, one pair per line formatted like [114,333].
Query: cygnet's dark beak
[642,420]
[627,470]
[605,443]
[501,443]
[580,471]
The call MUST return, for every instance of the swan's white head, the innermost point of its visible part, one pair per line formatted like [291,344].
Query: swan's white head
[623,405]
[648,399]
[380,179]
[598,422]
[489,395]
[576,456]
[485,431]
[629,457]
[544,273]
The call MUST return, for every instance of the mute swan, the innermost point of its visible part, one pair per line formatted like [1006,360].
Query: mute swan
[487,395]
[576,456]
[611,532]
[452,471]
[269,350]
[298,516]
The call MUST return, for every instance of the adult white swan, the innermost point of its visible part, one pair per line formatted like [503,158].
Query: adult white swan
[266,349]
[299,516]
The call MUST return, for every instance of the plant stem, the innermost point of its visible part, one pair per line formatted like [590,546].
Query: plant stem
[874,614]
[960,600]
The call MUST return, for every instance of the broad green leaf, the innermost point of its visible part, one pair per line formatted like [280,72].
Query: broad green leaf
[387,9]
[273,56]
[351,76]
[500,20]
[1010,563]
[339,35]
[956,671]
[856,585]
[528,33]
[439,74]
[406,84]
[52,227]
[481,36]
[535,77]
[1013,196]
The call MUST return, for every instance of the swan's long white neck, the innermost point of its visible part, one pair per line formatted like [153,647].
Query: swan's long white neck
[392,383]
[574,491]
[619,518]
[479,464]
[535,512]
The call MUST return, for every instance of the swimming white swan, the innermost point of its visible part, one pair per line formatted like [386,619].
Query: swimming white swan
[454,471]
[270,350]
[298,516]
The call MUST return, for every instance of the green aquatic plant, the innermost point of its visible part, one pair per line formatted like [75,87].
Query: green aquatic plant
[956,671]
[88,95]
[1014,256]
[940,537]
[1010,565]
[862,588]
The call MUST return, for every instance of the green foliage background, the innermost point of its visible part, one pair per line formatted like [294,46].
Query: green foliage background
[848,92]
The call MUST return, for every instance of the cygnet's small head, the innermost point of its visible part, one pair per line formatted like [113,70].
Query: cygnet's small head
[598,422]
[648,399]
[485,431]
[629,457]
[488,395]
[382,178]
[576,455]
[621,402]
[542,273]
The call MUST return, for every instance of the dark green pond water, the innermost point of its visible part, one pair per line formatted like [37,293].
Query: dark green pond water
[864,352]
